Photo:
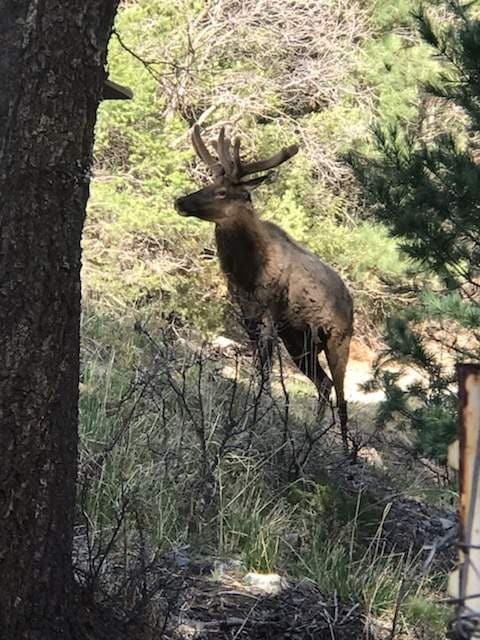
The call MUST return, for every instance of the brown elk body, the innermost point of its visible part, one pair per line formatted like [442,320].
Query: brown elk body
[282,288]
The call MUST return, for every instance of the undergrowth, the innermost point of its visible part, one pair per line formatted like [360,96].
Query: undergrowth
[186,443]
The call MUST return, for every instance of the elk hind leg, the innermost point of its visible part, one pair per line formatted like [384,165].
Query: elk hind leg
[337,358]
[304,351]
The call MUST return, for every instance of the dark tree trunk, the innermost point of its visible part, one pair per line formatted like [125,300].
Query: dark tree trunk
[52,56]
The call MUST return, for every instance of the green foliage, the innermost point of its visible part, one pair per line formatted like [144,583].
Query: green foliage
[390,14]
[112,476]
[334,510]
[427,615]
[251,522]
[139,252]
[428,195]
[352,561]
[389,65]
[424,184]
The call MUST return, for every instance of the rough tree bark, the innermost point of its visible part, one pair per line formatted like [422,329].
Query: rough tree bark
[52,59]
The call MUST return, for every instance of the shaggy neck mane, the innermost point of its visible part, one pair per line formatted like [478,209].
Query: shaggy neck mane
[242,248]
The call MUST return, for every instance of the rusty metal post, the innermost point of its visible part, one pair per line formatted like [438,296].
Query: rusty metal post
[465,582]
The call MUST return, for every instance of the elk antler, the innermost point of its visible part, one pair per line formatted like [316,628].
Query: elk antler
[269,163]
[229,162]
[222,147]
[204,154]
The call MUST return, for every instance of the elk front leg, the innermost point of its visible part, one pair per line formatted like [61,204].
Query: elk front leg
[261,333]
[258,322]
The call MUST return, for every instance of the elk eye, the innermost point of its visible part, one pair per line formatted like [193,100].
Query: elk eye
[221,193]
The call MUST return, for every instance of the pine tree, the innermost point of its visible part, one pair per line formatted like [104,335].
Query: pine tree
[52,60]
[424,184]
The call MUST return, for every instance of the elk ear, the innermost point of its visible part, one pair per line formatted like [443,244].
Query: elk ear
[252,184]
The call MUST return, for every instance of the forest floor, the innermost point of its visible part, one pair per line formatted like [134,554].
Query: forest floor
[334,551]
[231,604]
[225,600]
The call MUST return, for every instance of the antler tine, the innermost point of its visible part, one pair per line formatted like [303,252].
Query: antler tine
[203,153]
[224,153]
[269,163]
[237,163]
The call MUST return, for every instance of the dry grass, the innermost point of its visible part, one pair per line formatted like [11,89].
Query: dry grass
[180,459]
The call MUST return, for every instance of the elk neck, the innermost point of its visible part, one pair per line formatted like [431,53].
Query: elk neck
[242,247]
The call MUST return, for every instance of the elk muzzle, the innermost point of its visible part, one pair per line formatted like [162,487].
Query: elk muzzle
[183,206]
[202,204]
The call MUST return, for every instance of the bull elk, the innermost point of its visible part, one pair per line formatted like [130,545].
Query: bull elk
[282,289]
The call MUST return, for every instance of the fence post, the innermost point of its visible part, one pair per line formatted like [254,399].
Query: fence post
[465,581]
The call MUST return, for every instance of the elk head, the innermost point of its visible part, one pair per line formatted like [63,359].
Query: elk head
[219,201]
